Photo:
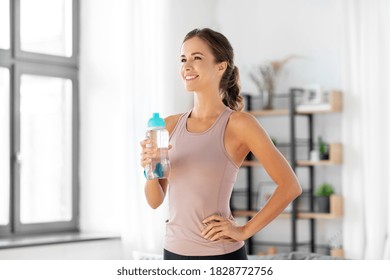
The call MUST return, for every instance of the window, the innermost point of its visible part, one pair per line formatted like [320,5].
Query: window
[46,30]
[4,24]
[45,149]
[38,116]
[4,147]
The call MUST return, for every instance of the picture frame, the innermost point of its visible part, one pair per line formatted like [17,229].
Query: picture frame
[312,94]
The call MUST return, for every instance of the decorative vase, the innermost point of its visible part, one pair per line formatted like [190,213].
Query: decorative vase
[324,156]
[268,100]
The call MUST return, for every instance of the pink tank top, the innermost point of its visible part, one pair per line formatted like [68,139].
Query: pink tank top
[200,184]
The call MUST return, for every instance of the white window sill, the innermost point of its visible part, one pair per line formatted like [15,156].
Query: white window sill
[50,239]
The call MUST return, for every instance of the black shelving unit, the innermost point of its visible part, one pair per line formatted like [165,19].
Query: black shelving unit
[249,157]
[294,143]
[294,92]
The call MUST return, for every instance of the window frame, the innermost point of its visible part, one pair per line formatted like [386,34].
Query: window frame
[21,62]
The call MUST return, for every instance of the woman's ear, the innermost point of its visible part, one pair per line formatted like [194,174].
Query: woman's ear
[222,67]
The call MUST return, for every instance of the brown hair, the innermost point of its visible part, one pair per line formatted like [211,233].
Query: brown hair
[222,51]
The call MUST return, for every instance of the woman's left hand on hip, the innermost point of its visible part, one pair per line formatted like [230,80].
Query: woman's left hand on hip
[218,227]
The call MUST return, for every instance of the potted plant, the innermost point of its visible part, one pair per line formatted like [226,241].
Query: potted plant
[323,149]
[322,197]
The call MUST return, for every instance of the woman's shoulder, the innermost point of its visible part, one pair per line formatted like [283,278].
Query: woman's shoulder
[171,121]
[240,119]
[244,124]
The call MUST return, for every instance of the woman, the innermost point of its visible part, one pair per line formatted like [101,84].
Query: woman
[208,144]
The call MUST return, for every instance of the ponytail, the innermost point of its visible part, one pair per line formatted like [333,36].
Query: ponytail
[230,89]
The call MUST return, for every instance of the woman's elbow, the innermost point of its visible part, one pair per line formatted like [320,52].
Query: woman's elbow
[295,190]
[154,204]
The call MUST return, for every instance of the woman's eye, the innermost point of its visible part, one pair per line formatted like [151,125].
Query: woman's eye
[197,58]
[182,60]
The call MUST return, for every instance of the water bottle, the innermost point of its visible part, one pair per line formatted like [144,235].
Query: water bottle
[159,167]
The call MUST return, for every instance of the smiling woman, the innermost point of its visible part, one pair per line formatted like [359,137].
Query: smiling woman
[209,143]
[213,52]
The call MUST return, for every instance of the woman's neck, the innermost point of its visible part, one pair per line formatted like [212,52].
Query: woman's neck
[207,105]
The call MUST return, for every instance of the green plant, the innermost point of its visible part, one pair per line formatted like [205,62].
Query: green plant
[325,189]
[322,146]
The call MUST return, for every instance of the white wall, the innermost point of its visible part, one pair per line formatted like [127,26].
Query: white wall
[262,30]
[103,62]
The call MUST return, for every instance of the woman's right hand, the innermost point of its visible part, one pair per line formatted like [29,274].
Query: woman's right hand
[147,153]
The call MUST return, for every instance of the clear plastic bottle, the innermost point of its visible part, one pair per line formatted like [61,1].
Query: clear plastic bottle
[160,166]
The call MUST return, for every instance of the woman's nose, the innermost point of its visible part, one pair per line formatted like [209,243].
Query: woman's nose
[187,65]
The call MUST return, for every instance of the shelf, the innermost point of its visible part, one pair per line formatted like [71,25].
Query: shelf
[251,213]
[273,112]
[334,105]
[254,163]
[246,213]
[277,243]
[316,163]
[335,157]
[335,211]
[298,143]
[301,215]
[333,252]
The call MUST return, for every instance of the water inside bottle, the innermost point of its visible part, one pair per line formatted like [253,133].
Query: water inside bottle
[160,166]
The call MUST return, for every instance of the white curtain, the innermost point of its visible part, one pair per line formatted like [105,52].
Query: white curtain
[366,126]
[143,227]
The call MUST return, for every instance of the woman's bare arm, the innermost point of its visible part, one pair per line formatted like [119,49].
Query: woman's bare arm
[249,133]
[277,167]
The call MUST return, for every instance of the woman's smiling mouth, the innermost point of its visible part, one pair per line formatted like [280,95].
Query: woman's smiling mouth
[190,77]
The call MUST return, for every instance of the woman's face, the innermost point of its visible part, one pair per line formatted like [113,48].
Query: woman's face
[199,71]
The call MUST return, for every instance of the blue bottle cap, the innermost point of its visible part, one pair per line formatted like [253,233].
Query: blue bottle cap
[156,121]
